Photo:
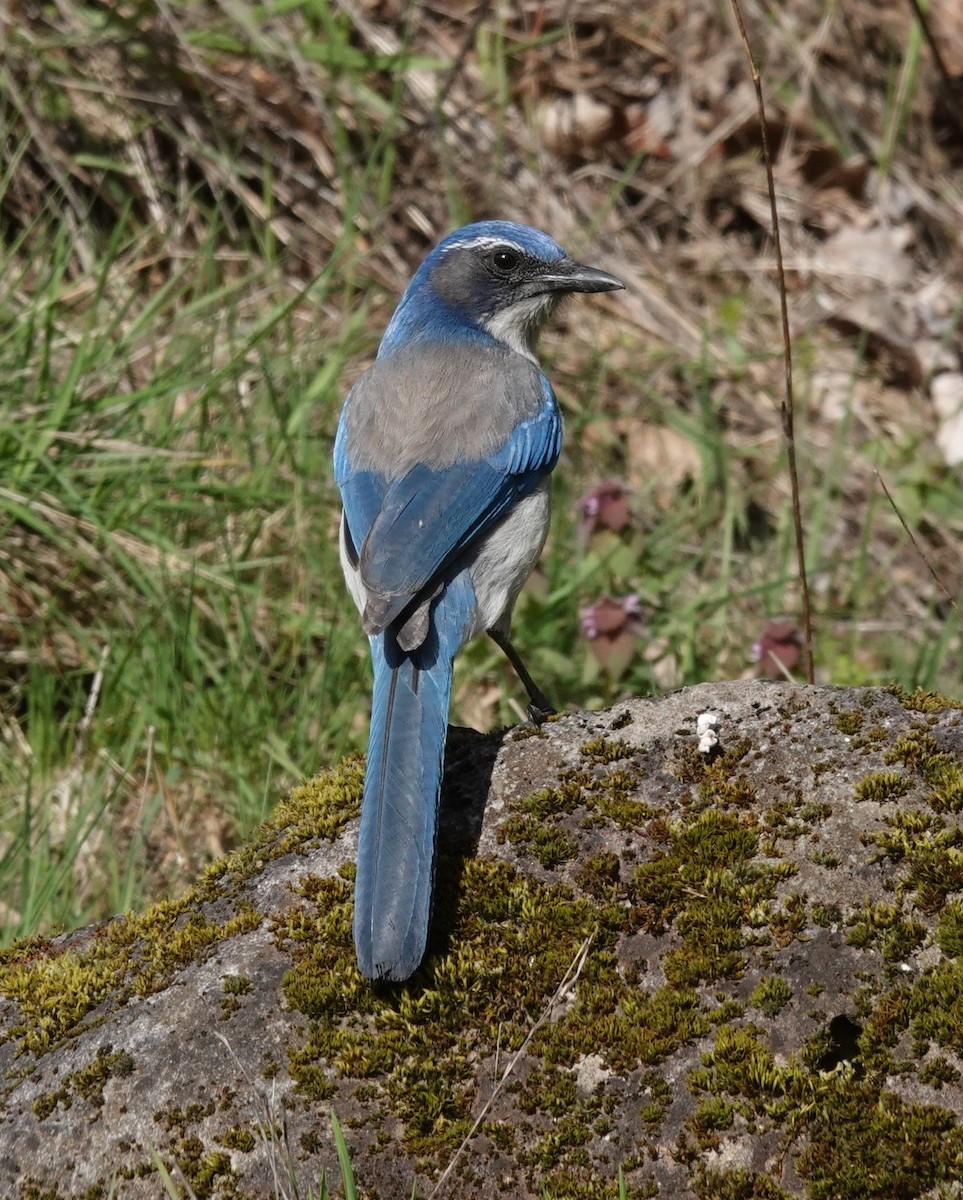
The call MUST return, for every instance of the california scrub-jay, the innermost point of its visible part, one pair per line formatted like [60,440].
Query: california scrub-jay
[442,458]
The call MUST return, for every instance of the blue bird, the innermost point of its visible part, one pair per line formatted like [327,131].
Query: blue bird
[442,458]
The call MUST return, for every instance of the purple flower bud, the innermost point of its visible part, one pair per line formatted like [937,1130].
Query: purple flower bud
[778,649]
[612,628]
[606,506]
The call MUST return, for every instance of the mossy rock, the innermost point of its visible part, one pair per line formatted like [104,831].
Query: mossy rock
[729,975]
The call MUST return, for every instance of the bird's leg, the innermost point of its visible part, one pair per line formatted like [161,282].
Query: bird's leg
[539,707]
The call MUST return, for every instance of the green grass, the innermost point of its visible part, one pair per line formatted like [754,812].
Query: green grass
[175,639]
[168,510]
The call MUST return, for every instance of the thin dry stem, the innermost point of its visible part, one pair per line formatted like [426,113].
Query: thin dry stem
[918,548]
[787,405]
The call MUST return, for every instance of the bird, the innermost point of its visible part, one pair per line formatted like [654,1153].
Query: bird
[442,458]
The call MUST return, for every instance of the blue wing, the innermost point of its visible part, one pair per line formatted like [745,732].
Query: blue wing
[428,518]
[362,492]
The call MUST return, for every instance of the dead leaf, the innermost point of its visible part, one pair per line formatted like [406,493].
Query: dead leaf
[867,257]
[570,125]
[946,391]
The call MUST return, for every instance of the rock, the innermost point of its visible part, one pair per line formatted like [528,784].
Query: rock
[731,973]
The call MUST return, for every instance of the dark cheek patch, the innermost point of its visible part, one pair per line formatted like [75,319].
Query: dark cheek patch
[455,280]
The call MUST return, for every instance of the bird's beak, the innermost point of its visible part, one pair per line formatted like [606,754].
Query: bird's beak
[568,276]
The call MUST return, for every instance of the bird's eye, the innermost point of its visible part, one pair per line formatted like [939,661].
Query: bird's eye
[505,260]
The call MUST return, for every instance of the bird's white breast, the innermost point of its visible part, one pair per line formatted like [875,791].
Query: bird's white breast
[505,558]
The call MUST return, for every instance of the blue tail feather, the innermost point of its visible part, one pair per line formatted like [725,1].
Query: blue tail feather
[399,810]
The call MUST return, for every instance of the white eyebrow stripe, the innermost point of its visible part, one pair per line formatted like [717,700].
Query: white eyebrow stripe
[489,242]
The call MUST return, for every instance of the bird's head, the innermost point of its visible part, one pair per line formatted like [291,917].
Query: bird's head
[495,279]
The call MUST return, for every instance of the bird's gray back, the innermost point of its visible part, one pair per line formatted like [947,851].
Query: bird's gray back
[438,405]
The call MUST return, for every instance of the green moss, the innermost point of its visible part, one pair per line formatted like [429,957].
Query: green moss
[238,1138]
[915,749]
[495,966]
[739,1065]
[601,750]
[920,700]
[941,772]
[139,953]
[181,1120]
[883,786]
[708,884]
[87,1082]
[874,1146]
[707,774]
[236,985]
[614,796]
[555,1148]
[599,875]
[29,1190]
[550,1090]
[728,1010]
[850,723]
[607,795]
[814,812]
[626,1027]
[887,928]
[931,853]
[780,818]
[502,1135]
[936,1006]
[548,844]
[233,987]
[825,915]
[658,1095]
[737,792]
[737,1183]
[949,930]
[552,802]
[54,994]
[885,1019]
[946,789]
[771,994]
[566,1184]
[938,1072]
[514,941]
[850,1136]
[47,1102]
[207,1172]
[711,843]
[712,1114]
[523,732]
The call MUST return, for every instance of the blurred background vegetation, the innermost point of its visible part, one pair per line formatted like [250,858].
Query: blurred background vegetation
[208,210]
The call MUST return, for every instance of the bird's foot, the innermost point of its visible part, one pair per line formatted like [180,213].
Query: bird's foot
[539,711]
